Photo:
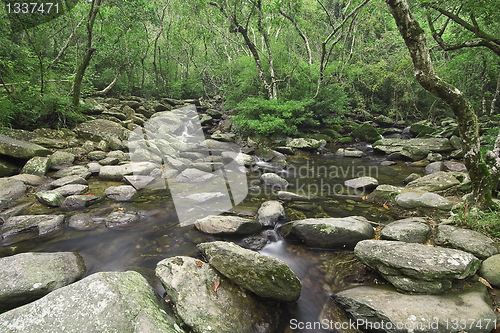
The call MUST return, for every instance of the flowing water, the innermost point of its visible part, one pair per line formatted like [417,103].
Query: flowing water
[140,246]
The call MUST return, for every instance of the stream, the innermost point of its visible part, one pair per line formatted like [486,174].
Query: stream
[141,246]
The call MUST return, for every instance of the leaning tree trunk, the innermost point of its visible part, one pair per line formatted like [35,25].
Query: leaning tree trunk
[482,179]
[77,86]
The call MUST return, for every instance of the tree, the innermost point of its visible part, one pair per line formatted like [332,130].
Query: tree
[77,86]
[484,173]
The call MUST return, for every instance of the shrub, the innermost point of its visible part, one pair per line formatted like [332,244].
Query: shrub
[484,222]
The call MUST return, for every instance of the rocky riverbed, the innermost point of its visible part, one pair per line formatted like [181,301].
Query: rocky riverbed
[154,216]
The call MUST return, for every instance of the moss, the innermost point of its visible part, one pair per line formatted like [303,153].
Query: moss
[346,139]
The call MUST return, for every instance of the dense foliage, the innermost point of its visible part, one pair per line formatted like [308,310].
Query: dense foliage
[315,60]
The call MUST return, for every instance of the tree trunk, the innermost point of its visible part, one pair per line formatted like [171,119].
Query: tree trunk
[108,88]
[77,86]
[495,97]
[482,179]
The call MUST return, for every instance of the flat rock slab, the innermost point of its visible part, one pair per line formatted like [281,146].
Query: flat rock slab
[362,183]
[290,196]
[11,189]
[116,172]
[119,219]
[101,129]
[38,224]
[412,200]
[102,302]
[437,181]
[69,180]
[71,189]
[264,275]
[383,309]
[234,225]
[21,149]
[32,180]
[270,212]
[329,233]
[240,158]
[191,175]
[301,143]
[121,193]
[415,267]
[79,201]
[138,182]
[208,302]
[26,277]
[76,170]
[410,230]
[466,240]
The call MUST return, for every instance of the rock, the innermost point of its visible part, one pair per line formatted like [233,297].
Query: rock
[346,152]
[412,149]
[410,230]
[329,233]
[390,311]
[490,270]
[362,183]
[434,182]
[218,145]
[21,149]
[191,175]
[270,212]
[120,219]
[117,172]
[366,132]
[71,189]
[81,222]
[240,158]
[36,166]
[11,189]
[388,163]
[416,268]
[466,240]
[79,201]
[61,159]
[214,224]
[411,200]
[102,302]
[384,193]
[205,119]
[301,143]
[101,129]
[26,277]
[94,167]
[422,127]
[456,143]
[77,170]
[289,196]
[17,228]
[273,180]
[226,137]
[434,167]
[138,182]
[205,196]
[69,180]
[411,177]
[121,193]
[227,310]
[434,157]
[264,275]
[457,154]
[97,155]
[421,163]
[7,169]
[109,161]
[455,166]
[49,198]
[32,180]
[121,156]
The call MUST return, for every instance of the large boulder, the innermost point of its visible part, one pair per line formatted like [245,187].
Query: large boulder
[101,129]
[490,270]
[208,302]
[466,240]
[410,230]
[21,149]
[413,149]
[366,132]
[36,166]
[437,181]
[11,189]
[412,200]
[422,127]
[270,212]
[362,183]
[264,275]
[383,309]
[76,170]
[416,268]
[61,159]
[21,227]
[329,233]
[231,225]
[301,143]
[26,277]
[102,302]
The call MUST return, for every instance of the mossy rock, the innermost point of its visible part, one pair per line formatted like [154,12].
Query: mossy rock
[366,132]
[346,139]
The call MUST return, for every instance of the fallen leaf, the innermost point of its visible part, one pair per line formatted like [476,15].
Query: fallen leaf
[429,244]
[486,283]
[216,285]
[199,263]
[364,197]
[91,195]
[385,206]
